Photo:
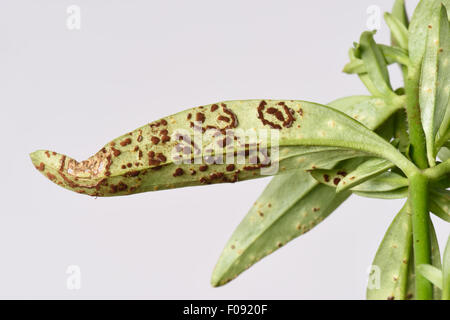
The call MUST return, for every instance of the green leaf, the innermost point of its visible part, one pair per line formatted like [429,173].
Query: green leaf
[332,177]
[370,111]
[294,194]
[418,29]
[387,181]
[440,203]
[435,80]
[444,154]
[375,64]
[435,258]
[432,274]
[391,54]
[127,164]
[290,206]
[446,272]
[365,171]
[392,194]
[401,130]
[388,185]
[399,12]
[389,277]
[398,30]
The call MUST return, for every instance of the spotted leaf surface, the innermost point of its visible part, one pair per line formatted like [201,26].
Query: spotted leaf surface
[164,153]
[292,203]
[418,28]
[389,272]
[435,79]
[276,218]
[365,171]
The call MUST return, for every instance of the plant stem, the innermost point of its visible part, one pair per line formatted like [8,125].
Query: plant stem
[418,197]
[416,134]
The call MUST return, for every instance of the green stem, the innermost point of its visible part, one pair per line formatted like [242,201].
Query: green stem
[418,197]
[416,134]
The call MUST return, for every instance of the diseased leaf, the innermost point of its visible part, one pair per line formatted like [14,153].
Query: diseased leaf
[398,30]
[332,177]
[293,194]
[418,30]
[435,80]
[154,156]
[365,171]
[432,274]
[390,267]
[440,203]
[276,218]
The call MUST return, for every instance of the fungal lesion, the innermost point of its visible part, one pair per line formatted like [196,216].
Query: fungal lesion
[93,167]
[216,117]
[276,115]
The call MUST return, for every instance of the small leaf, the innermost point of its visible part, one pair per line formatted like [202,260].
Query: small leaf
[446,272]
[432,274]
[435,80]
[364,172]
[391,54]
[393,194]
[332,177]
[375,64]
[440,203]
[389,276]
[399,12]
[398,30]
[387,181]
[401,130]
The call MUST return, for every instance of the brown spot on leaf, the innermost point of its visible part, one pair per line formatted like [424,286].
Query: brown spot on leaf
[178,172]
[125,142]
[154,139]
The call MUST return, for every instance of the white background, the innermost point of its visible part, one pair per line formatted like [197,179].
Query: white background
[136,61]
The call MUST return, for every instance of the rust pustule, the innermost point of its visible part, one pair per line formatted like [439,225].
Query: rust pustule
[154,139]
[178,172]
[125,142]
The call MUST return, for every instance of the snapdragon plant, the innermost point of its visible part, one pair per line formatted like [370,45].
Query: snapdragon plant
[392,143]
